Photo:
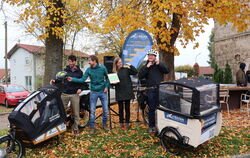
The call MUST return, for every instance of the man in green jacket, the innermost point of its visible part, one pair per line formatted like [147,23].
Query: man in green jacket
[99,84]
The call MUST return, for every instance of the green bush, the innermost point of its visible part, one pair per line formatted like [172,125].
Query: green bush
[222,76]
[218,74]
[228,74]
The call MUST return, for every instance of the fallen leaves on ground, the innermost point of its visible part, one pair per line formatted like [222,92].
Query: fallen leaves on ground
[234,139]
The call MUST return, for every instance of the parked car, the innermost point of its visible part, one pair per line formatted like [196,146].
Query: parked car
[12,94]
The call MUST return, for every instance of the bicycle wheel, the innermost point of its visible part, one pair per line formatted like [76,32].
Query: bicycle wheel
[11,148]
[171,140]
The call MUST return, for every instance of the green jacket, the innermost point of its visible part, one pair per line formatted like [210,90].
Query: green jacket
[98,78]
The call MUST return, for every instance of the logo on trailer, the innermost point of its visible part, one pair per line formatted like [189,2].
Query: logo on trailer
[176,118]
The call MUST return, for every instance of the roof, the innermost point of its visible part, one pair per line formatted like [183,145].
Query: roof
[206,70]
[40,49]
[2,73]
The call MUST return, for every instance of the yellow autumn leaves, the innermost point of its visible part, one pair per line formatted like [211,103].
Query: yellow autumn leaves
[122,17]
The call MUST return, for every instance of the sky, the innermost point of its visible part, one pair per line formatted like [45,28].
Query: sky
[16,34]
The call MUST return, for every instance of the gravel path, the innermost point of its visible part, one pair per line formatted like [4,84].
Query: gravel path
[4,122]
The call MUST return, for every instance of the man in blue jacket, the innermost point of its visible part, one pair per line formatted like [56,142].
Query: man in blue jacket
[99,84]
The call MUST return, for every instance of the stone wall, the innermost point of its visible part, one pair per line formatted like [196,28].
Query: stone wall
[231,47]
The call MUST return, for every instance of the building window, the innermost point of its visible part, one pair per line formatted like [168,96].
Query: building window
[28,82]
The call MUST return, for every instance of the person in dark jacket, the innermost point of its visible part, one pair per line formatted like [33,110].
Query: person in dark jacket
[241,79]
[71,90]
[248,76]
[124,90]
[153,71]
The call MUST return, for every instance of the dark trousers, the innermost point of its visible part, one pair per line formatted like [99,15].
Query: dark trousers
[121,111]
[152,103]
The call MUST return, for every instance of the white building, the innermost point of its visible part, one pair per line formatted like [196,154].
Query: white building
[27,64]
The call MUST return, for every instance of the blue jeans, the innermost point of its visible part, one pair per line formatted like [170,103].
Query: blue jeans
[105,112]
[152,103]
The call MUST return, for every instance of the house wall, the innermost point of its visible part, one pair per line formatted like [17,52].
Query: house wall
[229,44]
[34,68]
[21,65]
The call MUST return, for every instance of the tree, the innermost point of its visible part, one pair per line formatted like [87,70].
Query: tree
[211,50]
[228,74]
[170,20]
[166,20]
[56,19]
[218,75]
[215,75]
[196,68]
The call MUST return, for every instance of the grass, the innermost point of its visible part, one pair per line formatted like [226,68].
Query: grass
[3,132]
[3,109]
[136,142]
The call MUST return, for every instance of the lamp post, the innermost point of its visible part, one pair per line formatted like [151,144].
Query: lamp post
[197,56]
[6,64]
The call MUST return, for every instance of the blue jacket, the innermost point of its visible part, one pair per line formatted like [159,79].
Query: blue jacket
[98,78]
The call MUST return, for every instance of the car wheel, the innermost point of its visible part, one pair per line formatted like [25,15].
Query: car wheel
[6,104]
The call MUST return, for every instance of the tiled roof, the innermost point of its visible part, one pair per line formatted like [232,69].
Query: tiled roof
[41,49]
[206,70]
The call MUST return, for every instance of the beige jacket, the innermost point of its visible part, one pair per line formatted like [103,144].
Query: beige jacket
[241,78]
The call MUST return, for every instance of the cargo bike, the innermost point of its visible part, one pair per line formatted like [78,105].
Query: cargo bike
[188,113]
[39,117]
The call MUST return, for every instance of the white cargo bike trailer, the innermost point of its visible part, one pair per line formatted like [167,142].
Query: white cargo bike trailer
[188,113]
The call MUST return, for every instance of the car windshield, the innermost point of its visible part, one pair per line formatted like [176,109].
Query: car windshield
[15,88]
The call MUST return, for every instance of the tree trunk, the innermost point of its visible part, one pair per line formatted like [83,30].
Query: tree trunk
[53,58]
[168,59]
[53,45]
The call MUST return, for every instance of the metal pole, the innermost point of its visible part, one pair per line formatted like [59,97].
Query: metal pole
[6,64]
[197,56]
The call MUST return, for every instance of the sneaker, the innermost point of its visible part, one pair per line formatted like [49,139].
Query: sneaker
[76,132]
[92,130]
[106,128]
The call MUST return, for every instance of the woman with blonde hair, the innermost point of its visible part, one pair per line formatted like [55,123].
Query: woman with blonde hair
[124,90]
